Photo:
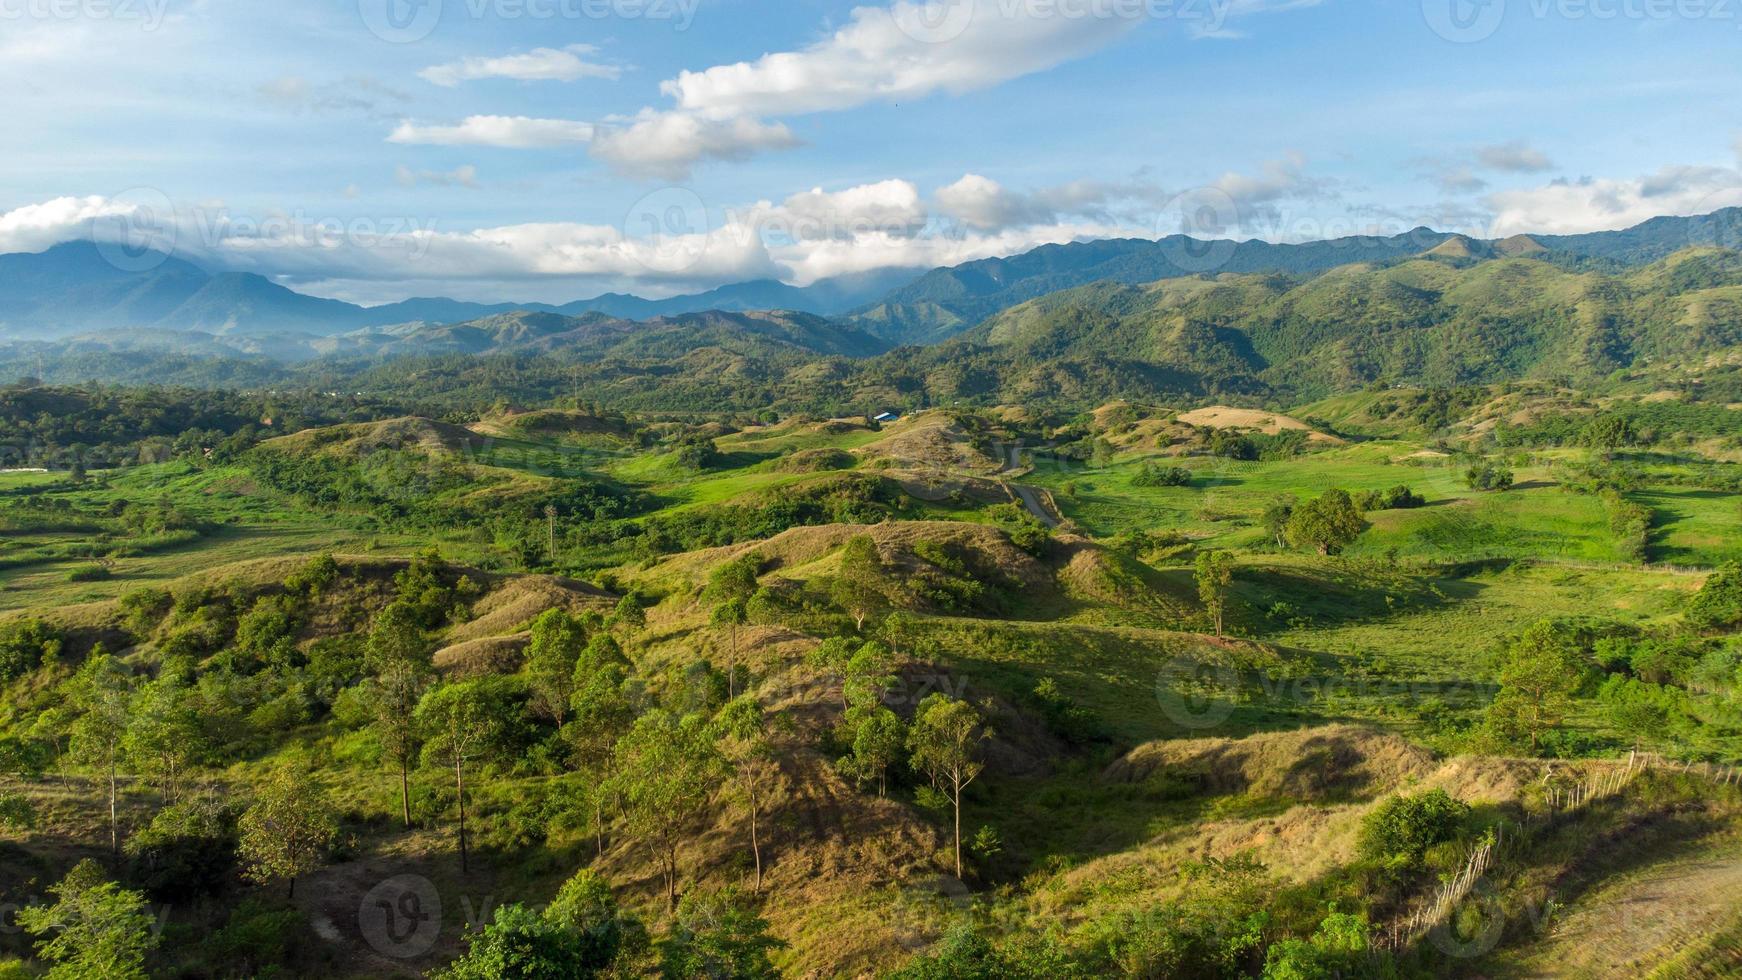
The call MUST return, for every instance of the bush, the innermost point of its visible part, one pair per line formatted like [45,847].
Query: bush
[26,645]
[1718,606]
[1488,476]
[1397,498]
[1403,827]
[1151,475]
[90,573]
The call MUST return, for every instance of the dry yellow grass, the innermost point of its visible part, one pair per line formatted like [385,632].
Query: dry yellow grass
[1250,420]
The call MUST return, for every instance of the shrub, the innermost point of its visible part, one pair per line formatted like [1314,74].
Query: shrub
[90,573]
[1151,475]
[1488,476]
[1397,498]
[1718,606]
[1404,827]
[26,645]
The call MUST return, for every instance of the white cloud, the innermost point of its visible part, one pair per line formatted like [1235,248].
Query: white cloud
[513,132]
[1602,204]
[883,54]
[986,205]
[670,144]
[35,227]
[892,207]
[983,203]
[466,176]
[888,55]
[565,64]
[1515,157]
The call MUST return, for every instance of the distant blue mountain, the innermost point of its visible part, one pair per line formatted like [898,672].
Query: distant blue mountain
[77,288]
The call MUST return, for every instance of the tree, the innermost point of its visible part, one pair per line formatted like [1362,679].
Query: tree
[1276,517]
[1327,524]
[868,676]
[1340,947]
[1537,682]
[16,812]
[287,831]
[858,587]
[752,771]
[26,645]
[100,692]
[897,629]
[718,935]
[461,723]
[604,710]
[878,739]
[163,732]
[1215,573]
[666,773]
[945,741]
[731,613]
[630,614]
[557,643]
[95,930]
[579,935]
[398,653]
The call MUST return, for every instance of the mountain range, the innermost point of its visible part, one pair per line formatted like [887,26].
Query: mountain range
[157,300]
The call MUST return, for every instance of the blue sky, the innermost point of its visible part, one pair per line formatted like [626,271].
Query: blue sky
[552,149]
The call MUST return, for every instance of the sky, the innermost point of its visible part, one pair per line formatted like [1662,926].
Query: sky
[550,150]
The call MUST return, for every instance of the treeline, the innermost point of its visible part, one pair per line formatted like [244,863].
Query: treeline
[103,426]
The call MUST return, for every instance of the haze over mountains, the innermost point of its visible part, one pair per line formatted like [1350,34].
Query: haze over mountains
[81,290]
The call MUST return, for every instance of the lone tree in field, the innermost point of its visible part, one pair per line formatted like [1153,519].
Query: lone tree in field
[666,773]
[858,589]
[100,693]
[1541,673]
[945,741]
[557,642]
[752,771]
[1215,574]
[398,653]
[1327,524]
[95,928]
[288,830]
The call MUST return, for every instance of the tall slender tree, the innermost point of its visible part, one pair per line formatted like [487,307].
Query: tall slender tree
[101,693]
[945,741]
[399,655]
